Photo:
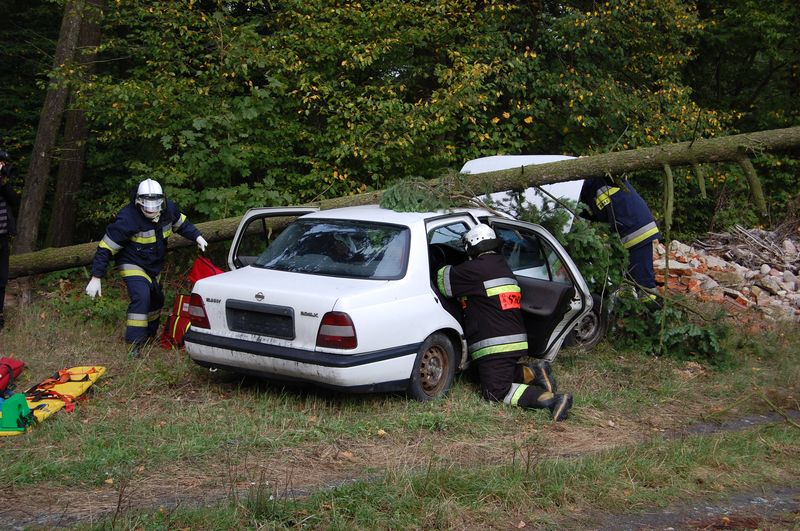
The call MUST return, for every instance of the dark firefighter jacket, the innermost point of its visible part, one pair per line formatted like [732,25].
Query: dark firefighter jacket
[139,244]
[9,201]
[622,207]
[493,322]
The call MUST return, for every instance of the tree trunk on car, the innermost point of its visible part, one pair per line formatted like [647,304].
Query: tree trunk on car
[724,149]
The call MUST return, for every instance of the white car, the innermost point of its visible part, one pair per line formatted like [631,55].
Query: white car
[345,298]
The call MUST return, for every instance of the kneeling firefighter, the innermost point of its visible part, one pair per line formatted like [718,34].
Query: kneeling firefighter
[494,327]
[137,240]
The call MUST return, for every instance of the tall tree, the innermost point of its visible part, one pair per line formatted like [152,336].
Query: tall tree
[72,153]
[36,180]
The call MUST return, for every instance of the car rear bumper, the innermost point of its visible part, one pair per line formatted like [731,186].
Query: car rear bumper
[384,370]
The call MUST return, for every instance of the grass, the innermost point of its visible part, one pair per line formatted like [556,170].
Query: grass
[267,456]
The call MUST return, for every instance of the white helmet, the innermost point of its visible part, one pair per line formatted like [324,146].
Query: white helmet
[480,239]
[150,198]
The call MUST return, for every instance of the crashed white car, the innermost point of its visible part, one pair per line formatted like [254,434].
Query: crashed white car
[345,298]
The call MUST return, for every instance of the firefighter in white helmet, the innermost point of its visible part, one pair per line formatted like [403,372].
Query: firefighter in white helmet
[495,330]
[137,241]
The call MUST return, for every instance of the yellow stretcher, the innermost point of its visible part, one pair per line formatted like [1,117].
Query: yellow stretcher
[42,400]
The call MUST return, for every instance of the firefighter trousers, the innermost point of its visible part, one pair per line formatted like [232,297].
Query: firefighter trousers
[641,265]
[144,310]
[501,377]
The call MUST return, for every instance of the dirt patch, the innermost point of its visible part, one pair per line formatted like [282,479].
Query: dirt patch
[287,475]
[771,509]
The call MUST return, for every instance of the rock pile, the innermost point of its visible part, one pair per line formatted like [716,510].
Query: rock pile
[741,269]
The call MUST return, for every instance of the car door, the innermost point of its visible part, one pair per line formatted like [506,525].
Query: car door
[257,229]
[555,295]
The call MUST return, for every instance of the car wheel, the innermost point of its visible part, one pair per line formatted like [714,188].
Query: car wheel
[434,369]
[591,329]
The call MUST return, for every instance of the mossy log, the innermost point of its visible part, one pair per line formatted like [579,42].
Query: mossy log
[723,149]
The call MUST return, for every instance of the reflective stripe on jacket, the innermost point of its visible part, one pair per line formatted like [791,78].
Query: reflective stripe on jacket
[134,239]
[621,207]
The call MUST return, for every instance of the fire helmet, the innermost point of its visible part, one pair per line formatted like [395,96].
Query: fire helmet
[150,198]
[480,239]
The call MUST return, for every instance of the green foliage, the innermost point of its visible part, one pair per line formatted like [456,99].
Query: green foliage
[233,104]
[415,195]
[670,330]
[599,255]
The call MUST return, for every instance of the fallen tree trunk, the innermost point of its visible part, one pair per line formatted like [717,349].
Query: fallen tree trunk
[723,149]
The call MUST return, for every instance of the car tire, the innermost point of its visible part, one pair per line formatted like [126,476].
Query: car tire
[434,369]
[591,329]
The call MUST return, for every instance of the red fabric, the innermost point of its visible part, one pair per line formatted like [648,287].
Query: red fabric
[179,320]
[177,323]
[9,369]
[202,268]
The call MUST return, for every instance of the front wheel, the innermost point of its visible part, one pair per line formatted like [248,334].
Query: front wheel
[434,368]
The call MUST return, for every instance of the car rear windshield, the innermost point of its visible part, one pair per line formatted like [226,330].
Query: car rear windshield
[341,248]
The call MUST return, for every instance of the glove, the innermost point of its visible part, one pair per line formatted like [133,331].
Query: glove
[201,244]
[93,288]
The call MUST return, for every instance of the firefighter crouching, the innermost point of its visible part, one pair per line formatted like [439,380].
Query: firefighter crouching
[137,240]
[494,327]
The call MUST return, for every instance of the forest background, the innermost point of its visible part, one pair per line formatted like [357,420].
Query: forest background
[234,104]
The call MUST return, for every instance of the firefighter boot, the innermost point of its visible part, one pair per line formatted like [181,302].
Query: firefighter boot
[135,351]
[559,410]
[539,374]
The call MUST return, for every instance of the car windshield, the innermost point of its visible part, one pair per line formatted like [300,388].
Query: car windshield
[342,248]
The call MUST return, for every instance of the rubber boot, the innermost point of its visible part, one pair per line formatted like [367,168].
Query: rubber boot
[539,374]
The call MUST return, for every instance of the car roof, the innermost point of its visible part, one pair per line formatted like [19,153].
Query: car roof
[384,215]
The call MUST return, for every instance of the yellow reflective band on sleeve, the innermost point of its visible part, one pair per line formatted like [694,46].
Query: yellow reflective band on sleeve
[496,349]
[179,222]
[604,196]
[502,289]
[443,281]
[104,245]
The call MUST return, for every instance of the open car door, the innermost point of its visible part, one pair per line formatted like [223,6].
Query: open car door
[555,295]
[257,229]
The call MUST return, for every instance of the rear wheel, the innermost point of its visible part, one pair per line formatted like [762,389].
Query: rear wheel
[434,368]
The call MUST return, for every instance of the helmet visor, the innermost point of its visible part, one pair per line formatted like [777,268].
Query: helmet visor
[150,203]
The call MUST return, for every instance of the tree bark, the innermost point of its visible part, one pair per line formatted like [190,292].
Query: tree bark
[33,193]
[72,154]
[724,149]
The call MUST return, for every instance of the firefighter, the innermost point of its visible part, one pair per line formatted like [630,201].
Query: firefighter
[9,201]
[137,240]
[495,330]
[619,205]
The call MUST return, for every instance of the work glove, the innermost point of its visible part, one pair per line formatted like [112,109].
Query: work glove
[93,288]
[201,244]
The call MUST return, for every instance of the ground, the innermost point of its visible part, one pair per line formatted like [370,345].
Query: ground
[164,490]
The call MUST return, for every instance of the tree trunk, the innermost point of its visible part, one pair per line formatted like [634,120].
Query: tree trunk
[724,149]
[72,155]
[35,188]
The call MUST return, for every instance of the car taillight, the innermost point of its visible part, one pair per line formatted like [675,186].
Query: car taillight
[337,331]
[197,312]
